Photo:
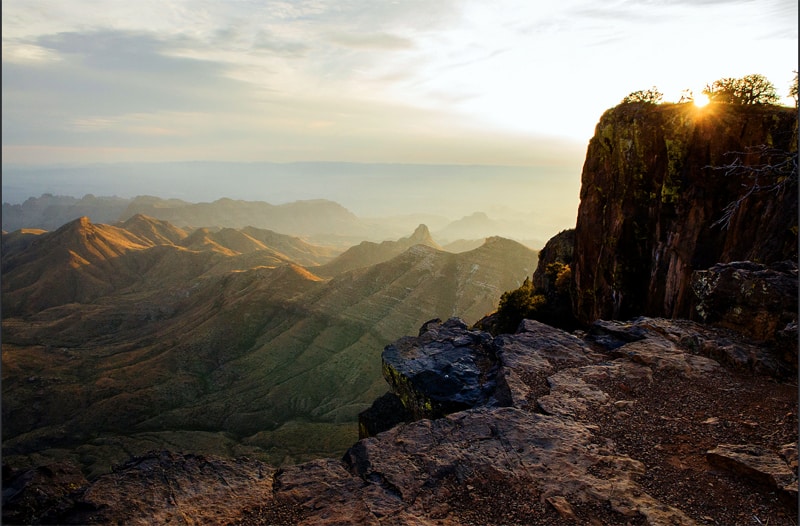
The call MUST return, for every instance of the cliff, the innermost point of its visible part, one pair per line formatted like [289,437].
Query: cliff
[670,189]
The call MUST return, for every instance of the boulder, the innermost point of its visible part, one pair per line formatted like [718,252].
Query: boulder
[757,300]
[385,412]
[447,368]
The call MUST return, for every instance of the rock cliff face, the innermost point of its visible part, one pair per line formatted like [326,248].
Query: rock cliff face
[671,189]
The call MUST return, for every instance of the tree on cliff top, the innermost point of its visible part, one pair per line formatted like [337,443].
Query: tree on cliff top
[751,89]
[649,96]
[793,89]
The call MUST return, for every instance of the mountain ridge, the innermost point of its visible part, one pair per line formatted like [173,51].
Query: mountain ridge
[196,344]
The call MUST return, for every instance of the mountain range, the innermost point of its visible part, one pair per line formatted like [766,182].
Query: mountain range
[139,335]
[320,221]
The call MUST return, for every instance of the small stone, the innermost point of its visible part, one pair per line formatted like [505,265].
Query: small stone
[562,506]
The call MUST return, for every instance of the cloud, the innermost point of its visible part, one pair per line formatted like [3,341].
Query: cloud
[375,41]
[264,40]
[106,72]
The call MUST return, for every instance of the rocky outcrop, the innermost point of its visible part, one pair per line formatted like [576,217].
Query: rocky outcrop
[559,249]
[447,368]
[755,463]
[632,423]
[667,190]
[755,299]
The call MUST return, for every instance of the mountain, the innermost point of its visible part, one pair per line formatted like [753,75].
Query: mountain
[19,240]
[297,218]
[368,253]
[153,230]
[476,225]
[114,343]
[50,212]
[78,262]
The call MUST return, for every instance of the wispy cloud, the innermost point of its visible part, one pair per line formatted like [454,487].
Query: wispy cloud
[318,79]
[371,41]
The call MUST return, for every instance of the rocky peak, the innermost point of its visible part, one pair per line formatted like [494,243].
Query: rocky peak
[422,236]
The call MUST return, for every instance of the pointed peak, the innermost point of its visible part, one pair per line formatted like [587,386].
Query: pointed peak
[422,232]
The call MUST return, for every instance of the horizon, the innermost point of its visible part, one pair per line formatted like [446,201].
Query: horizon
[514,88]
[549,196]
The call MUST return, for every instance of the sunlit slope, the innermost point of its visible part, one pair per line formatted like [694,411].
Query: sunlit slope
[82,261]
[78,262]
[267,361]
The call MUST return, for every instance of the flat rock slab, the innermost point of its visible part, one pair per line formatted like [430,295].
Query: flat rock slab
[547,457]
[754,462]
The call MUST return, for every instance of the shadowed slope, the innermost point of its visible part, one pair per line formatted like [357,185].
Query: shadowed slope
[272,362]
[369,253]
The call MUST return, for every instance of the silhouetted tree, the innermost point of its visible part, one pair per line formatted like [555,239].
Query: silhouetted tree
[793,90]
[751,89]
[650,96]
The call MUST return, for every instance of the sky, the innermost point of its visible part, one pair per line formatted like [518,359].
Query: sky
[507,82]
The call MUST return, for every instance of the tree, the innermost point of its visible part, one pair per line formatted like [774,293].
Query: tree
[793,90]
[751,89]
[650,96]
[516,305]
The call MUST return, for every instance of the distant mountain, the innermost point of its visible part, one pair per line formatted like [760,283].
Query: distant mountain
[308,218]
[155,231]
[50,212]
[477,225]
[83,261]
[116,342]
[368,253]
[77,263]
[19,240]
[298,218]
[462,245]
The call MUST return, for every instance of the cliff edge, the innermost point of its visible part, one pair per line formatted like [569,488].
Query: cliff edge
[670,189]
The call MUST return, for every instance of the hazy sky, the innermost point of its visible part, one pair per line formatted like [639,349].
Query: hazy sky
[515,82]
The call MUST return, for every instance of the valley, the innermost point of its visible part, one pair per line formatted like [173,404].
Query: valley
[120,339]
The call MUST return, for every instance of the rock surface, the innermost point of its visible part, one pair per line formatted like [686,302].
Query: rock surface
[757,300]
[653,191]
[448,368]
[611,428]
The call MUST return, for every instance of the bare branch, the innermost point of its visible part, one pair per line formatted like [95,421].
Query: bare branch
[776,171]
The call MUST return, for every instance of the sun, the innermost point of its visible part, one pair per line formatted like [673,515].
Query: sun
[701,100]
